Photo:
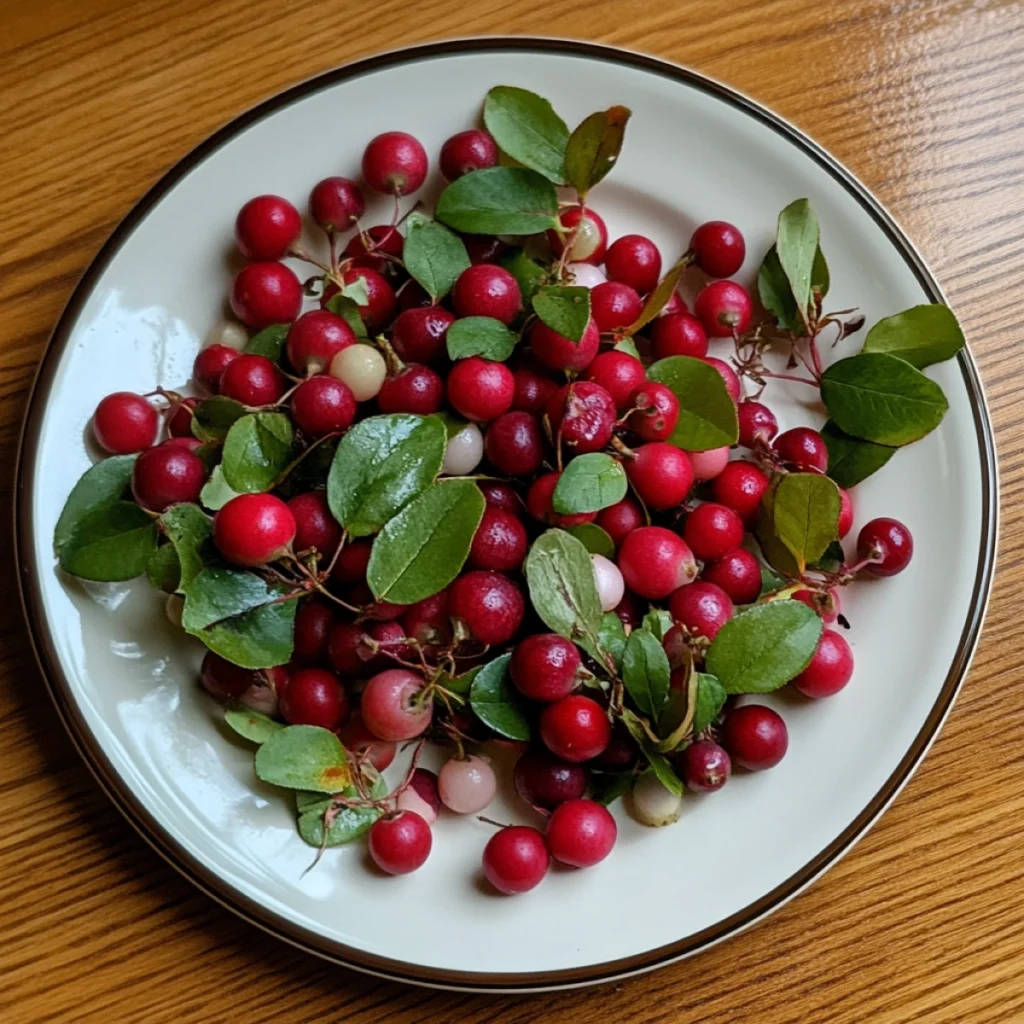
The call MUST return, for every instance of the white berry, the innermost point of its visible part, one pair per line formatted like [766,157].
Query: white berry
[652,804]
[610,584]
[362,368]
[464,452]
[231,334]
[173,607]
[586,274]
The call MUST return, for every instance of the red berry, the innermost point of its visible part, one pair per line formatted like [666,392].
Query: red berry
[267,227]
[350,565]
[489,604]
[824,604]
[845,523]
[480,389]
[314,696]
[336,204]
[718,248]
[581,833]
[315,526]
[656,412]
[421,796]
[621,753]
[586,235]
[427,621]
[557,352]
[723,307]
[889,545]
[357,739]
[738,573]
[702,608]
[500,542]
[223,680]
[211,363]
[371,249]
[582,415]
[400,842]
[829,669]
[394,706]
[728,374]
[678,334]
[614,306]
[629,610]
[802,449]
[545,667]
[515,859]
[315,339]
[634,260]
[712,530]
[377,611]
[345,647]
[483,248]
[193,444]
[538,504]
[252,380]
[125,423]
[498,495]
[619,373]
[416,389]
[179,422]
[575,728]
[418,334]
[382,642]
[544,781]
[758,424]
[254,529]
[740,486]
[380,303]
[514,444]
[675,304]
[266,293]
[660,474]
[654,562]
[314,622]
[487,290]
[621,519]
[166,476]
[755,737]
[323,405]
[532,391]
[705,766]
[394,163]
[471,150]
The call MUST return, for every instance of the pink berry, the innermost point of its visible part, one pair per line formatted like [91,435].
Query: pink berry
[400,842]
[394,707]
[394,163]
[380,303]
[575,728]
[586,236]
[544,781]
[718,248]
[254,529]
[655,562]
[634,260]
[619,373]
[503,496]
[418,334]
[471,150]
[758,424]
[614,306]
[323,405]
[211,363]
[557,352]
[660,474]
[829,669]
[621,519]
[755,737]
[421,796]
[728,374]
[581,833]
[702,608]
[315,339]
[252,380]
[267,227]
[845,523]
[489,605]
[582,416]
[514,444]
[466,785]
[314,696]
[125,423]
[416,389]
[223,680]
[377,248]
[712,530]
[266,293]
[357,739]
[723,307]
[487,290]
[888,543]
[336,204]
[545,667]
[678,334]
[179,420]
[516,859]
[314,622]
[427,621]
[705,766]
[707,465]
[802,449]
[166,476]
[738,573]
[315,526]
[675,304]
[741,486]
[479,389]
[656,412]
[500,542]
[532,391]
[538,503]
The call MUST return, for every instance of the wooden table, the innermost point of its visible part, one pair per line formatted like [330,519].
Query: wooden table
[923,922]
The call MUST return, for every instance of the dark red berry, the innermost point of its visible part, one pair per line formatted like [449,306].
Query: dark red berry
[223,680]
[266,293]
[678,334]
[336,204]
[483,248]
[357,739]
[179,422]
[267,227]
[545,781]
[254,529]
[614,306]
[889,545]
[532,391]
[741,486]
[619,373]
[575,728]
[416,389]
[314,696]
[167,475]
[394,163]
[350,565]
[582,416]
[718,248]
[581,833]
[480,389]
[660,474]
[499,495]
[755,737]
[428,621]
[545,667]
[314,622]
[490,605]
[724,308]
[253,381]
[621,519]
[125,423]
[758,424]
[323,405]
[418,335]
[211,363]
[377,248]
[621,752]
[705,766]
[380,303]
[400,842]
[500,542]
[514,444]
[487,290]
[802,449]
[634,260]
[656,412]
[345,647]
[315,526]
[471,150]
[713,530]
[738,573]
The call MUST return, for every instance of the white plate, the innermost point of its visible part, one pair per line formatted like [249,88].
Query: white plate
[124,680]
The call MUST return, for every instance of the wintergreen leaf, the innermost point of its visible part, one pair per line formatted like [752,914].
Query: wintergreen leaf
[216,593]
[590,483]
[480,336]
[607,787]
[190,530]
[496,703]
[832,559]
[434,257]
[213,417]
[563,590]
[764,647]
[921,335]
[658,621]
[805,515]
[851,460]
[459,684]
[252,725]
[819,274]
[658,299]
[593,148]
[380,465]
[777,295]
[163,570]
[565,309]
[529,274]
[304,757]
[882,398]
[424,547]
[99,486]
[797,245]
[594,539]
[778,556]
[627,345]
[348,309]
[711,698]
[770,580]
[110,543]
[659,764]
[257,449]
[707,415]
[344,824]
[526,128]
[452,424]
[646,672]
[216,492]
[261,638]
[499,201]
[269,342]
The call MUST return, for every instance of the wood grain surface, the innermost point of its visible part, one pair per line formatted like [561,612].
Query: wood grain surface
[924,100]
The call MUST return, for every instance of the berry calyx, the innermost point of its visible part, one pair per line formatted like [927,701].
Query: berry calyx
[479,389]
[660,474]
[581,833]
[702,608]
[582,416]
[656,412]
[267,227]
[738,573]
[125,423]
[705,766]
[471,150]
[575,728]
[888,544]
[394,163]
[254,529]
[758,424]
[830,667]
[314,696]
[394,706]
[252,380]
[545,667]
[336,204]
[315,339]
[755,737]
[678,334]
[655,562]
[545,781]
[488,605]
[466,785]
[723,308]
[741,486]
[514,444]
[500,542]
[619,373]
[400,842]
[802,449]
[712,530]
[266,293]
[718,248]
[586,236]
[634,260]
[614,306]
[167,475]
[487,290]
[323,405]
[557,352]
[516,859]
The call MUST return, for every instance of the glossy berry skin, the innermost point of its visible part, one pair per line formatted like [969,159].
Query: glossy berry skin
[361,369]
[656,412]
[315,526]
[487,290]
[400,842]
[223,680]
[371,249]
[466,785]
[758,424]
[253,529]
[516,859]
[755,737]
[357,739]
[345,647]
[532,391]
[471,150]
[611,587]
[380,303]
[614,306]
[267,227]
[418,334]
[193,444]
[179,420]
[252,380]
[167,475]
[503,496]
[705,766]
[634,260]
[723,307]
[315,339]
[740,486]
[557,352]
[266,293]
[545,781]
[702,608]
[479,389]
[394,163]
[314,696]
[829,669]
[738,573]
[421,796]
[350,566]
[514,444]
[660,474]
[678,334]
[586,236]
[500,542]
[621,519]
[728,375]
[655,562]
[416,389]
[718,248]
[619,373]
[582,416]
[393,706]
[545,667]
[314,622]
[323,405]
[490,605]
[125,423]
[575,728]
[845,523]
[210,365]
[581,833]
[336,204]
[889,542]
[709,464]
[538,504]
[802,449]
[712,530]
[427,620]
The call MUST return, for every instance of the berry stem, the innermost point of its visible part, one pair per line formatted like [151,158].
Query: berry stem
[788,376]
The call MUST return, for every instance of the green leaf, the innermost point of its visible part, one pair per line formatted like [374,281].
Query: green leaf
[590,483]
[777,295]
[797,246]
[309,472]
[163,570]
[607,787]
[213,418]
[434,257]
[261,638]
[452,424]
[304,757]
[594,539]
[832,559]
[348,310]
[882,398]
[659,764]
[805,515]
[646,672]
[499,201]
[252,725]
[526,128]
[190,530]
[563,590]
[344,824]
[381,464]
[496,703]
[424,547]
[611,639]
[921,335]
[220,593]
[593,148]
[529,274]
[110,543]
[658,299]
[257,449]
[628,346]
[658,621]
[707,415]
[216,492]
[770,580]
[819,274]
[711,698]
[480,336]
[460,684]
[779,556]
[764,647]
[565,309]
[851,460]
[269,342]
[100,486]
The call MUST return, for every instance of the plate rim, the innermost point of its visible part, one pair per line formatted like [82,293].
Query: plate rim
[217,888]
